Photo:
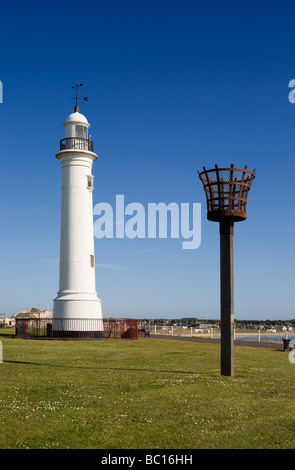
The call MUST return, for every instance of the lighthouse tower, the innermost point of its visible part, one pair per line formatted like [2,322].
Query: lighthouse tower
[77,309]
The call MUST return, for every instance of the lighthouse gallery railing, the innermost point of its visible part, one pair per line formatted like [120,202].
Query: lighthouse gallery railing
[76,143]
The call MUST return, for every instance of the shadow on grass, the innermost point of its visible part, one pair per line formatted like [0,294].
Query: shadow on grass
[124,369]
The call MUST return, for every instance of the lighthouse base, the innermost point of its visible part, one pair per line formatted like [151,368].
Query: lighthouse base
[76,334]
[77,317]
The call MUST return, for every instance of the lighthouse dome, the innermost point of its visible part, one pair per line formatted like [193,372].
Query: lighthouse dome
[76,125]
[76,117]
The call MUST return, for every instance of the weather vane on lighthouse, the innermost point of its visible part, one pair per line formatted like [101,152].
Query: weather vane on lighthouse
[76,109]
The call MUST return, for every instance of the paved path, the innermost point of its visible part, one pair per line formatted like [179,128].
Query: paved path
[251,344]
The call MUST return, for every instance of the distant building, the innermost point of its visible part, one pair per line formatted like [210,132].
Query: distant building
[7,323]
[282,328]
[34,313]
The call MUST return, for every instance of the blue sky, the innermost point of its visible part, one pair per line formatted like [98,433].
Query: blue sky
[173,86]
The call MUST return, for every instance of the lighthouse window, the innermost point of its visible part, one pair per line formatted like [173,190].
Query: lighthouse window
[92,261]
[81,132]
[90,182]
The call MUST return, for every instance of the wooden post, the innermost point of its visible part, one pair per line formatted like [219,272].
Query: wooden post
[227,297]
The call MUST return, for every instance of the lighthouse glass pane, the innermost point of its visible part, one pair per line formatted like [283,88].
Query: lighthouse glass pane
[81,132]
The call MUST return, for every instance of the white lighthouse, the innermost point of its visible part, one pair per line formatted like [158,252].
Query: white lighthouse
[77,309]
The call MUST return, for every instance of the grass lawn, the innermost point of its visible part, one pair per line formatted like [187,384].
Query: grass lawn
[146,394]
